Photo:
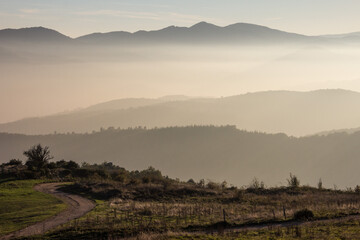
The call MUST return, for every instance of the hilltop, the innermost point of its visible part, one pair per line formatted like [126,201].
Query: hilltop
[292,113]
[208,152]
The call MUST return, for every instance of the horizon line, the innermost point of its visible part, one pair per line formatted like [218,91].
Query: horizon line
[177,26]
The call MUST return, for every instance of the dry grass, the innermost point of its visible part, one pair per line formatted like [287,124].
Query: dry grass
[127,218]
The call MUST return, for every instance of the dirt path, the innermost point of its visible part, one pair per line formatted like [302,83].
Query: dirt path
[76,207]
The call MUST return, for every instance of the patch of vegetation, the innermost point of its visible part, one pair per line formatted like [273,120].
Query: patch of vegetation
[131,203]
[349,229]
[21,205]
[224,209]
[305,214]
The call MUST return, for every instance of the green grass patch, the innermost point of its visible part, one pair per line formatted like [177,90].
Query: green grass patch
[21,205]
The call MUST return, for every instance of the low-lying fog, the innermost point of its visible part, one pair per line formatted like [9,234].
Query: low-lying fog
[42,80]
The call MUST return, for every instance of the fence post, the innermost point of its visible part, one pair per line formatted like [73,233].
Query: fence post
[284,211]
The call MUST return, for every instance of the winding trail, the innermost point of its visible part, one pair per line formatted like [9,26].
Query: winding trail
[76,207]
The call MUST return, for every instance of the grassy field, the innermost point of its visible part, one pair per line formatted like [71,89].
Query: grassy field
[146,205]
[336,230]
[21,205]
[347,230]
[199,209]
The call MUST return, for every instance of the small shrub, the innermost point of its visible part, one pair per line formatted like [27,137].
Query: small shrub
[357,189]
[293,181]
[146,212]
[14,162]
[305,214]
[146,180]
[239,194]
[320,184]
[191,181]
[256,184]
[201,183]
[213,185]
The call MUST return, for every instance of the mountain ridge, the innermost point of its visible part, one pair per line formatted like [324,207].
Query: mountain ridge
[33,34]
[201,32]
[290,112]
[209,152]
[198,32]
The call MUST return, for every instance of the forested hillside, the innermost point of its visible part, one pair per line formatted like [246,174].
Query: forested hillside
[216,153]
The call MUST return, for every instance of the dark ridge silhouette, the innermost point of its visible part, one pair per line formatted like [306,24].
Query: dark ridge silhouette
[106,38]
[293,113]
[216,153]
[200,33]
[33,34]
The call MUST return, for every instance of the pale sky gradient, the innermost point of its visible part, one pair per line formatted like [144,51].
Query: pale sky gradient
[79,17]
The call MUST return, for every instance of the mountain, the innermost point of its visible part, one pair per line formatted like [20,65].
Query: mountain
[123,104]
[345,130]
[36,44]
[201,33]
[32,35]
[353,34]
[133,103]
[216,153]
[293,113]
[346,38]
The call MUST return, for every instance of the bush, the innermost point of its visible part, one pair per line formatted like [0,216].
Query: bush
[239,194]
[38,157]
[191,181]
[305,214]
[119,177]
[213,185]
[146,180]
[83,173]
[320,184]
[146,212]
[14,162]
[293,181]
[64,173]
[256,184]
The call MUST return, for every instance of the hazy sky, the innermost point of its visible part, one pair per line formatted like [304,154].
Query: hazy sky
[78,17]
[204,72]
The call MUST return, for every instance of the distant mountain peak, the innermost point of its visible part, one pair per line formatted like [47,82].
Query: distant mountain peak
[32,34]
[204,25]
[201,33]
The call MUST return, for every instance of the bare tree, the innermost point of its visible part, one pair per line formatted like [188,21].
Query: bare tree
[38,157]
[293,181]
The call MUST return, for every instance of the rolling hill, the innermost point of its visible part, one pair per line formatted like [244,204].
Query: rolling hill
[216,153]
[200,33]
[293,113]
[32,35]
